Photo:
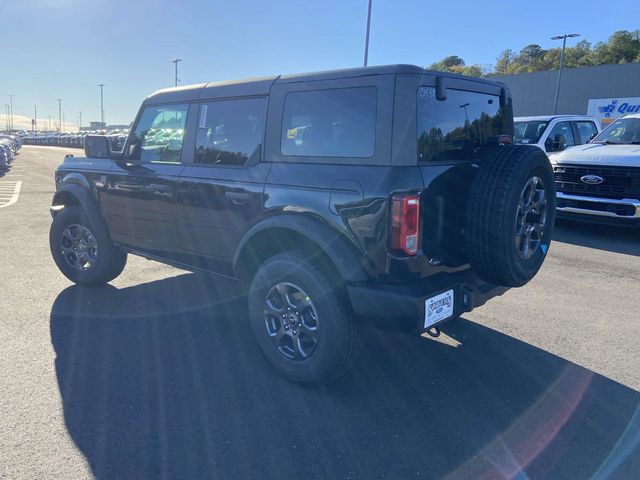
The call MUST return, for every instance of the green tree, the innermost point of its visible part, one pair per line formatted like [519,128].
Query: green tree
[447,63]
[455,64]
[504,62]
[621,47]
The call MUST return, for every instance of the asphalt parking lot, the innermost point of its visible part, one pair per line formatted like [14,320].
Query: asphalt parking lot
[157,376]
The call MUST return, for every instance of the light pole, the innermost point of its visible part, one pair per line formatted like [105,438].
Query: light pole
[175,63]
[79,121]
[10,112]
[366,38]
[35,118]
[59,114]
[465,111]
[564,44]
[101,85]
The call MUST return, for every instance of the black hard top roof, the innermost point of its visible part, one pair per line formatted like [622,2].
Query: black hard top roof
[262,86]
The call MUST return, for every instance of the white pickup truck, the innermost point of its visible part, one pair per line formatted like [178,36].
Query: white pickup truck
[553,133]
[600,181]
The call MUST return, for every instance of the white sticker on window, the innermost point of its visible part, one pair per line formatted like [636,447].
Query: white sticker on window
[428,92]
[202,123]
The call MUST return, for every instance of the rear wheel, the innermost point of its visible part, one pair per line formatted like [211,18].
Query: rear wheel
[511,215]
[300,320]
[83,250]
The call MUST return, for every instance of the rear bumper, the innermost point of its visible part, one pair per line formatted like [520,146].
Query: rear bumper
[402,307]
[598,209]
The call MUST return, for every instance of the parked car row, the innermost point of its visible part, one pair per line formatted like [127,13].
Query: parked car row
[9,147]
[75,139]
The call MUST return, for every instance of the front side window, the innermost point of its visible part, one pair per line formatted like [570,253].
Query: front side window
[560,128]
[330,123]
[230,131]
[459,126]
[159,134]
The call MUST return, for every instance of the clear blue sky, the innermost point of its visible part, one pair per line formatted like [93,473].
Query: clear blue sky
[64,48]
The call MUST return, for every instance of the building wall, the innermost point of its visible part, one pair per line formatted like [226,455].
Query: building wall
[533,93]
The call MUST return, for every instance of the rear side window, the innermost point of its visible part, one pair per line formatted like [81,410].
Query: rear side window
[230,132]
[330,123]
[586,130]
[456,128]
[159,134]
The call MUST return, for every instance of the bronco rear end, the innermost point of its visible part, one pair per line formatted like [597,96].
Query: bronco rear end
[479,218]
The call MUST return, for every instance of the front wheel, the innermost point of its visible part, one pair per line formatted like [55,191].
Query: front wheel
[300,320]
[83,250]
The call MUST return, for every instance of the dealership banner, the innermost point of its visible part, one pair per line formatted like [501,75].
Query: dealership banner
[606,110]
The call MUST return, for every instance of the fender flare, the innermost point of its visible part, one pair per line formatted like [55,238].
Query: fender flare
[81,190]
[330,240]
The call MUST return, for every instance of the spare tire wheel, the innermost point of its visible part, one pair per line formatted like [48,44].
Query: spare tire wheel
[511,214]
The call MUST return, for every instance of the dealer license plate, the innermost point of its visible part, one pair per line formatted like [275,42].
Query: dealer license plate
[438,308]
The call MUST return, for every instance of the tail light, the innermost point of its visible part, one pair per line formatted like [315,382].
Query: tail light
[405,224]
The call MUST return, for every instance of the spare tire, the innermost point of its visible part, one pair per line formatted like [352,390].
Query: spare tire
[511,213]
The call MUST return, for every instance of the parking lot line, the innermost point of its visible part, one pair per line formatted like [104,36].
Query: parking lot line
[14,196]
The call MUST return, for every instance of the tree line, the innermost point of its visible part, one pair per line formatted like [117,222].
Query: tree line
[621,47]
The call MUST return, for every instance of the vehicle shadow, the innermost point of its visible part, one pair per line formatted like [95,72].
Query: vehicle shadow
[603,237]
[164,380]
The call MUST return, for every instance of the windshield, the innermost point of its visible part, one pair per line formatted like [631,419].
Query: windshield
[622,131]
[529,132]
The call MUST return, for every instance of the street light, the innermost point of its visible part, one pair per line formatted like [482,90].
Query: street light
[465,112]
[101,85]
[366,38]
[175,62]
[59,114]
[10,112]
[35,118]
[564,44]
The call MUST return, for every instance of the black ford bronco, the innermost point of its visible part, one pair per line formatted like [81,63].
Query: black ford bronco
[385,194]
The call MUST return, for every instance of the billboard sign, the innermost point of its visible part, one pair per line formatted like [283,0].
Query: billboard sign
[606,110]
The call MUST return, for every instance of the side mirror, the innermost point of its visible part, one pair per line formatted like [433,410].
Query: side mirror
[593,135]
[559,142]
[97,146]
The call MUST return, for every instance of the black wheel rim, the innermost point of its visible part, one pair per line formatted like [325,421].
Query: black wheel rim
[291,321]
[79,247]
[531,218]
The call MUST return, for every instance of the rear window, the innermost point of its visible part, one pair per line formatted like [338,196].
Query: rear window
[457,128]
[330,123]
